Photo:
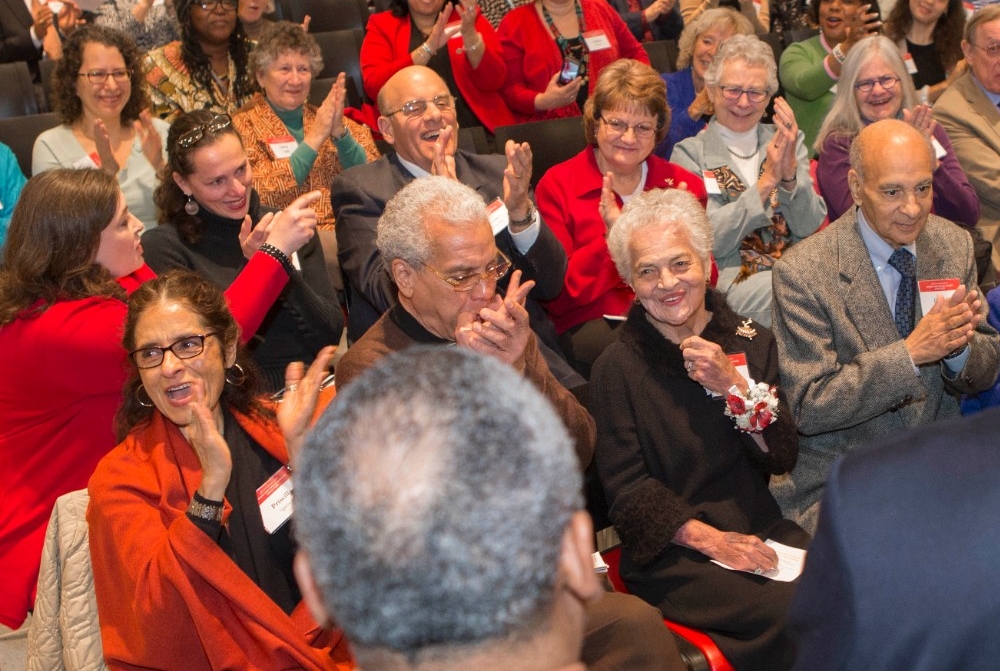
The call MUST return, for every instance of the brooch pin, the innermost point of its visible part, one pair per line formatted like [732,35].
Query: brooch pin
[745,330]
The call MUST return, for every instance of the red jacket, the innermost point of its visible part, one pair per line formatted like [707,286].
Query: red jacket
[569,197]
[532,55]
[63,372]
[169,597]
[386,51]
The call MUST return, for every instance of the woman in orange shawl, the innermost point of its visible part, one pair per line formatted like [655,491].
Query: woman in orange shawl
[189,533]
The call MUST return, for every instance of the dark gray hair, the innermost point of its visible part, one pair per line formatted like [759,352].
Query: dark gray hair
[748,50]
[402,228]
[432,497]
[661,209]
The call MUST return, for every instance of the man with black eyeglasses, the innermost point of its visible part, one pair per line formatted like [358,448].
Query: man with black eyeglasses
[968,112]
[418,119]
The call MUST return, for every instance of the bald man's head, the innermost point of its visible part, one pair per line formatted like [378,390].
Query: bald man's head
[413,129]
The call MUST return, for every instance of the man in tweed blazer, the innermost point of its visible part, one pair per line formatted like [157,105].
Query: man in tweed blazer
[849,375]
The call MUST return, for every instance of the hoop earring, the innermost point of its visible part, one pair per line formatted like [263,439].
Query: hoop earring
[191,207]
[139,390]
[242,378]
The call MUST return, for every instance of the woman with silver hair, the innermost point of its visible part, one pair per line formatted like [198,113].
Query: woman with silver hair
[760,195]
[874,85]
[690,425]
[689,106]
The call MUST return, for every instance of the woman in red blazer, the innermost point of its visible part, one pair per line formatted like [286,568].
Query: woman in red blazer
[456,42]
[555,51]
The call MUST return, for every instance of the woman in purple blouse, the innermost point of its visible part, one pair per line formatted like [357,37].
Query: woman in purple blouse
[874,84]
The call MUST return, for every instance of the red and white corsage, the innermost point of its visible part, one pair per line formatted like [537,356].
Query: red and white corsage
[754,410]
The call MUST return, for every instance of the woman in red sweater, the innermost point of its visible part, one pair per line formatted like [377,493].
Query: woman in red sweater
[580,199]
[456,42]
[61,316]
[555,51]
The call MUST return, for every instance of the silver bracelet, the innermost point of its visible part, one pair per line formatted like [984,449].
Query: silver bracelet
[839,54]
[430,54]
[475,47]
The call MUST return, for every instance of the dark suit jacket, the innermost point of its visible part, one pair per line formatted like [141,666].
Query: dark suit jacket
[846,372]
[667,27]
[15,40]
[359,195]
[902,573]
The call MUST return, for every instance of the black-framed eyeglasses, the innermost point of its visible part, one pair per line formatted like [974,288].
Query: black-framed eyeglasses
[187,347]
[418,107]
[888,82]
[193,136]
[494,273]
[643,131]
[992,51]
[735,92]
[98,77]
[211,5]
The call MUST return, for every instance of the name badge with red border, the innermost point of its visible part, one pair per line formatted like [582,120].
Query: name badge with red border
[931,289]
[497,214]
[711,183]
[283,146]
[911,65]
[275,500]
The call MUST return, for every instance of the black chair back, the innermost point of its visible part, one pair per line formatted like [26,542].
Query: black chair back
[326,15]
[18,91]
[321,87]
[19,134]
[552,141]
[662,55]
[342,53]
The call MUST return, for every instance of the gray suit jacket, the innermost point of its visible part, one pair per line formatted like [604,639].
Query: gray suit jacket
[846,372]
[973,125]
[359,195]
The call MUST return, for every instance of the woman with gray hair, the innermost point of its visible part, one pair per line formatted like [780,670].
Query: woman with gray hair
[874,84]
[689,106]
[690,425]
[295,147]
[760,195]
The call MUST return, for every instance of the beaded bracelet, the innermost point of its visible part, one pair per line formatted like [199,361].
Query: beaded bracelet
[278,256]
[203,509]
[839,54]
[754,410]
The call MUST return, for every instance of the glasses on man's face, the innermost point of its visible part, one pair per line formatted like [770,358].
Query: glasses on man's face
[992,51]
[888,82]
[416,108]
[643,131]
[98,77]
[735,93]
[187,347]
[494,273]
[191,138]
[212,5]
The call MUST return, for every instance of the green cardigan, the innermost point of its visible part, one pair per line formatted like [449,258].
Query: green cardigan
[807,85]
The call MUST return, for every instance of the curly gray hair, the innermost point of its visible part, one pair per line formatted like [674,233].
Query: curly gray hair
[661,209]
[402,230]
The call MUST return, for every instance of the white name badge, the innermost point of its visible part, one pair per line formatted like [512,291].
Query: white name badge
[275,500]
[283,146]
[497,213]
[939,151]
[931,289]
[91,161]
[596,40]
[711,183]
[911,67]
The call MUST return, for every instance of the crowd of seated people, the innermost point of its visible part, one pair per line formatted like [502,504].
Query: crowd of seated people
[164,287]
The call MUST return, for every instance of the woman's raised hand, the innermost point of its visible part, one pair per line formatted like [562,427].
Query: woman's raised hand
[105,155]
[211,449]
[329,119]
[149,137]
[298,403]
[609,204]
[295,225]
[557,95]
[709,366]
